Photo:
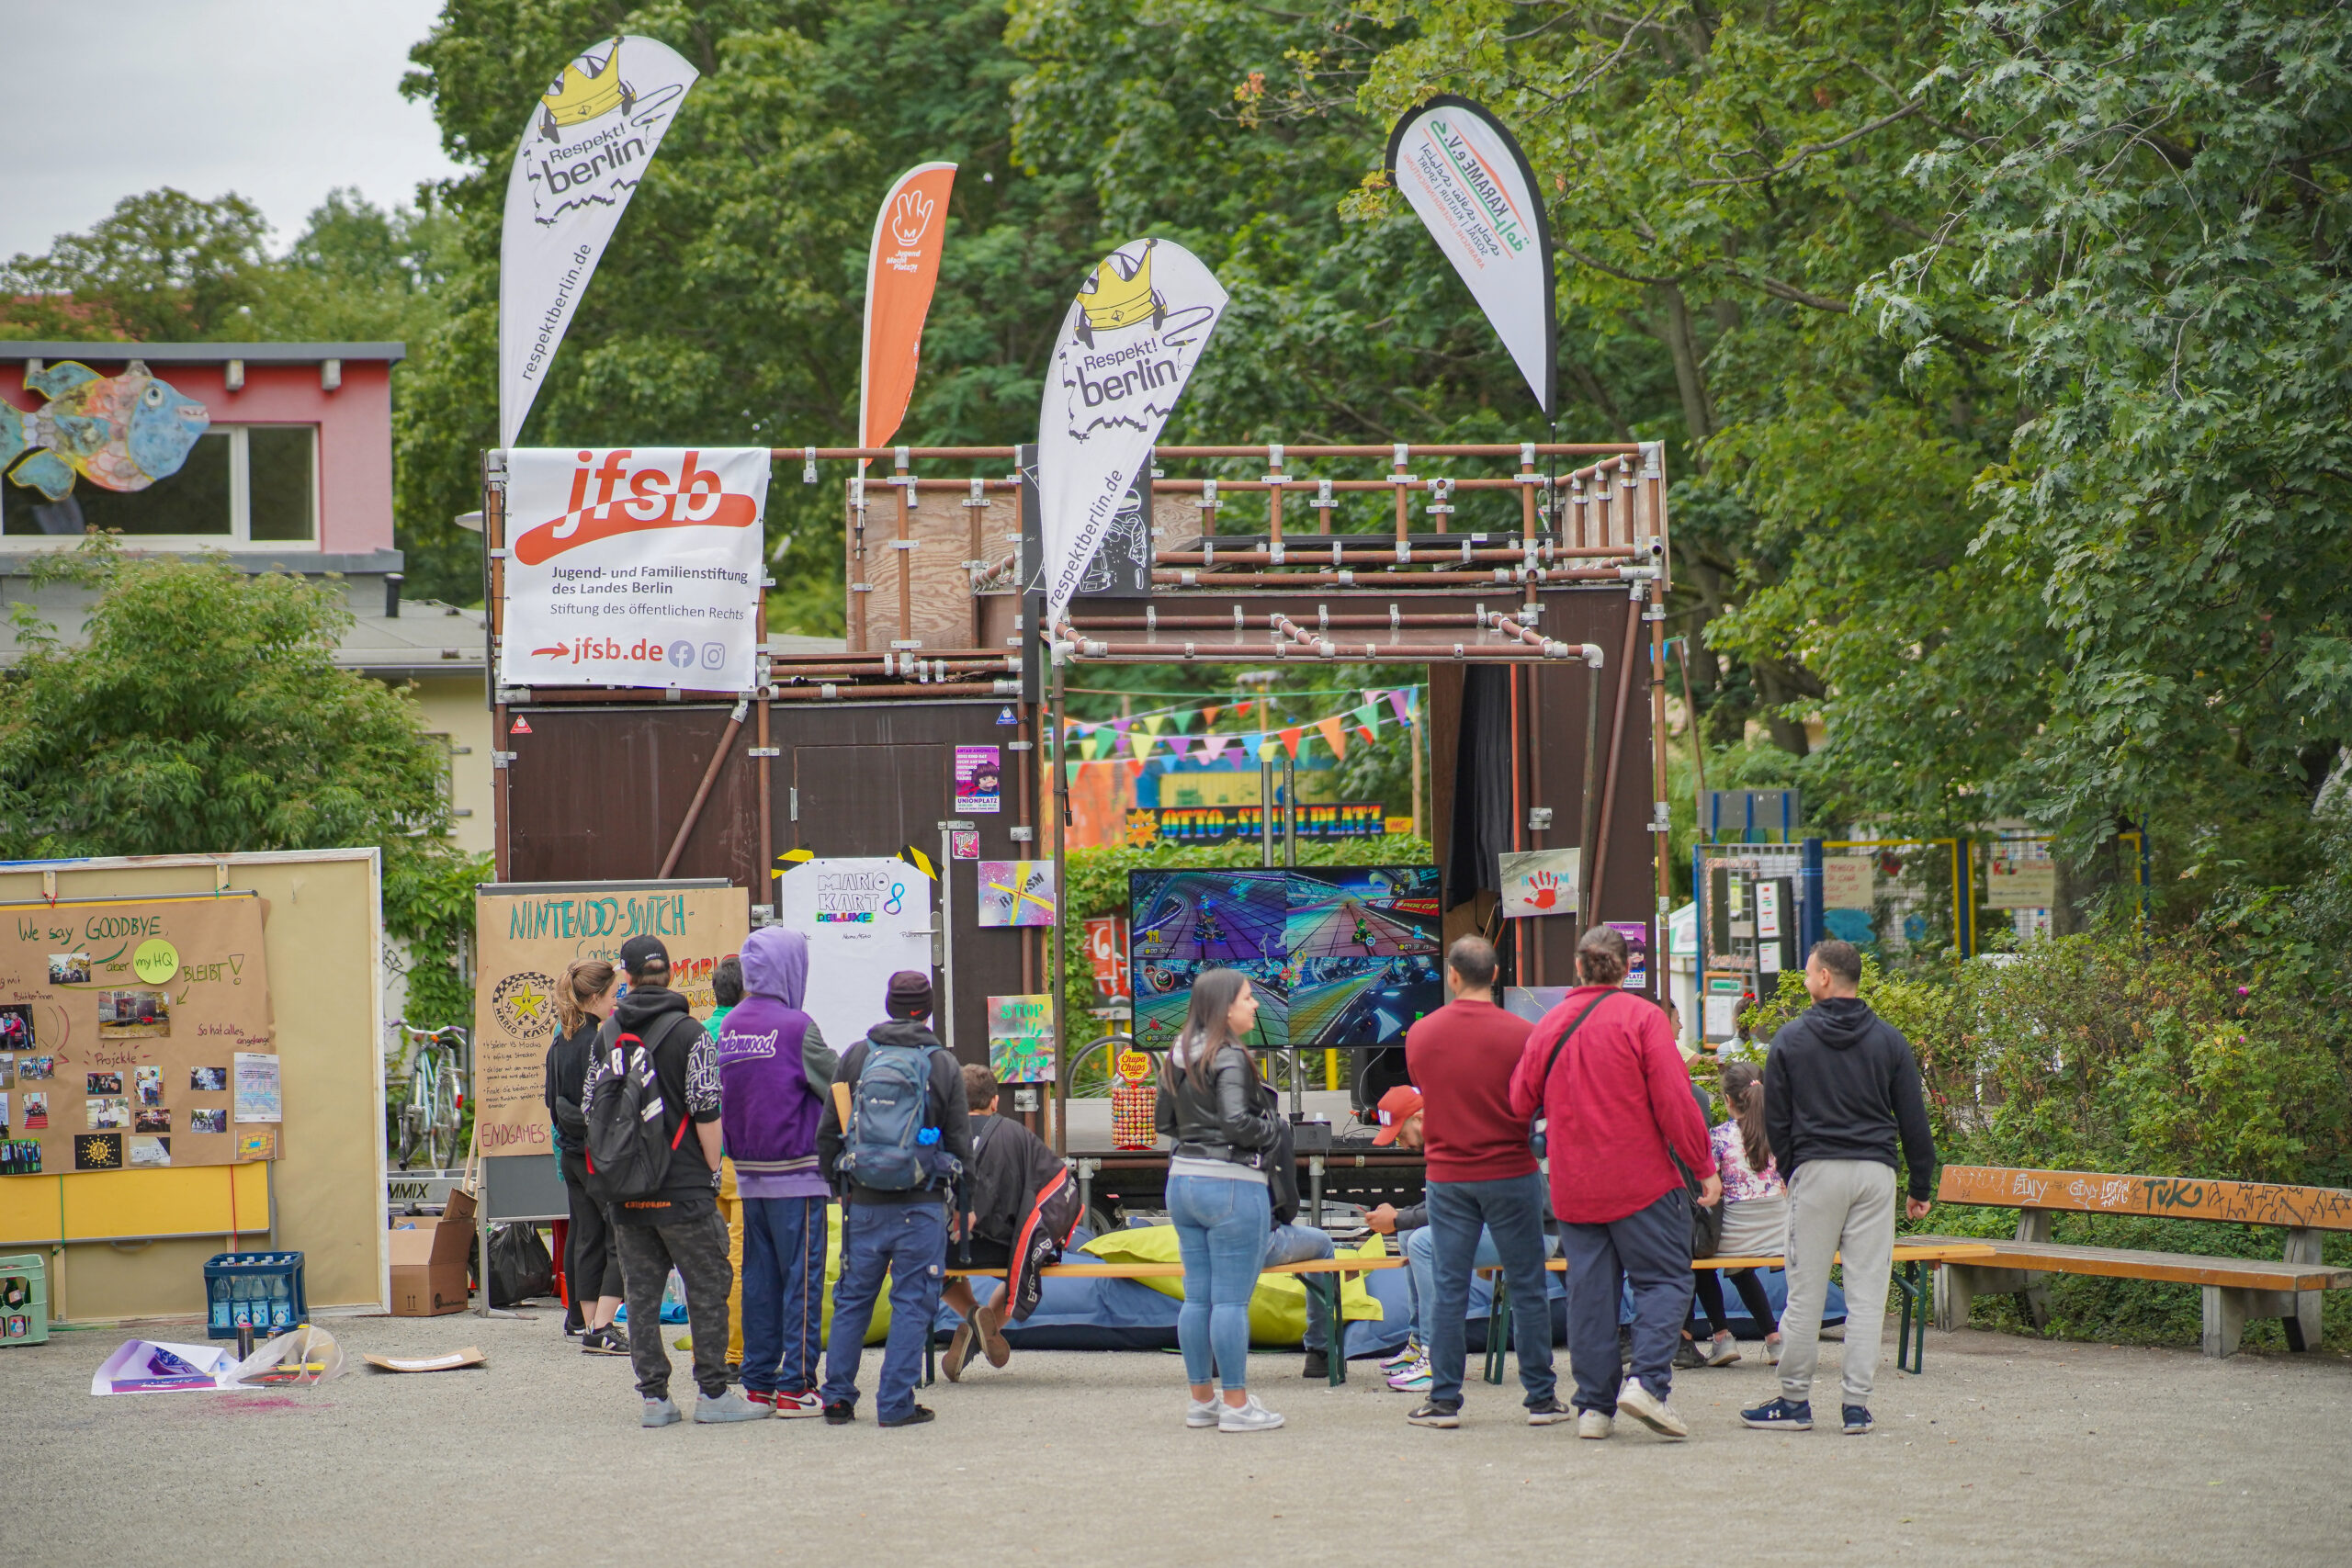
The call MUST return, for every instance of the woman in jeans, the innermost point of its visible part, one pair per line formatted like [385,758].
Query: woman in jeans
[1222,1117]
[1756,1212]
[584,998]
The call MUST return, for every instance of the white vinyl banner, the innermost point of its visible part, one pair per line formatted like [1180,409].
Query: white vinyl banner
[1127,349]
[586,146]
[1472,187]
[633,567]
[865,920]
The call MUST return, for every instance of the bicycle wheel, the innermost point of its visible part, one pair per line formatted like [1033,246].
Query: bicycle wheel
[1090,1070]
[442,1120]
[415,1125]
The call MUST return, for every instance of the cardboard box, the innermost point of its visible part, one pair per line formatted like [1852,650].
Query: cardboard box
[429,1261]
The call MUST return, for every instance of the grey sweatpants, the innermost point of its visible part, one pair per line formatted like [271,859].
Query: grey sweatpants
[697,1249]
[1837,1205]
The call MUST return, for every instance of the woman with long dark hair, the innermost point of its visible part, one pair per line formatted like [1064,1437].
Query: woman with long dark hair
[582,998]
[1756,1212]
[1223,1118]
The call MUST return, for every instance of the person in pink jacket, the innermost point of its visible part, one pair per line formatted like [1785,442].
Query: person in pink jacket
[1622,1132]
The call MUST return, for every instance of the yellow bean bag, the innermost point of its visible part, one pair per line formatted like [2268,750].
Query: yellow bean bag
[1277,1307]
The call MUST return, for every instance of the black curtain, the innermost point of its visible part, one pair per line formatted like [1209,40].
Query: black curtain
[1481,826]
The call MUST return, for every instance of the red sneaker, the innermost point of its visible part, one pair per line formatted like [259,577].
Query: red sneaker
[788,1406]
[761,1397]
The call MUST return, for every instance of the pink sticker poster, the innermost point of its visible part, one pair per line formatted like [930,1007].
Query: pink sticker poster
[979,778]
[1637,954]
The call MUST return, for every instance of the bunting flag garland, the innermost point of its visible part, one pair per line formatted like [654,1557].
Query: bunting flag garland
[1130,739]
[1330,729]
[1290,743]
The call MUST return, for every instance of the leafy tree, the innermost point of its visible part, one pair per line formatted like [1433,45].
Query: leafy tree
[161,265]
[204,712]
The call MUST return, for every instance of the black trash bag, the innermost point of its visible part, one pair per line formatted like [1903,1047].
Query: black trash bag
[519,1265]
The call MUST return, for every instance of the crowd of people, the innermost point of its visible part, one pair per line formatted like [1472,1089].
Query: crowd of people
[716,1150]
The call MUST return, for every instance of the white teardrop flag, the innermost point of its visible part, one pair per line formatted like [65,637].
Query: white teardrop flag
[587,143]
[1127,348]
[1466,177]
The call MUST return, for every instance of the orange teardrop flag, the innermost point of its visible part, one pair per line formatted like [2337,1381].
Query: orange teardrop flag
[1331,734]
[901,269]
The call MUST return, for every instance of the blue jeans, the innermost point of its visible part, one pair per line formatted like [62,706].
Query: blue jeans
[1650,1250]
[1421,1272]
[909,1241]
[1304,1244]
[1512,1210]
[783,1292]
[1221,1227]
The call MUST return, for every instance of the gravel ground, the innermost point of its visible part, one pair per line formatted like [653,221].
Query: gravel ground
[2008,1451]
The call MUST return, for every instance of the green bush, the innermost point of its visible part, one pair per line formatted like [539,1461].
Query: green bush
[2213,1052]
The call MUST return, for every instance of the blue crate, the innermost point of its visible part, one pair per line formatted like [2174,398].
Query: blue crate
[261,1290]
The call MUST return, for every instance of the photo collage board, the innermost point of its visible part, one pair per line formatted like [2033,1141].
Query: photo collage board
[135,1034]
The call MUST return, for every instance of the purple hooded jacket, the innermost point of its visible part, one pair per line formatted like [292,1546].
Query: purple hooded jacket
[774,1070]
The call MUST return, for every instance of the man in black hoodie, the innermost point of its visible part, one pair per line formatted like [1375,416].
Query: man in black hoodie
[678,1226]
[1840,1087]
[900,1229]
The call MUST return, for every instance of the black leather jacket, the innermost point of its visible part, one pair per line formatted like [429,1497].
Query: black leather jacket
[1234,1119]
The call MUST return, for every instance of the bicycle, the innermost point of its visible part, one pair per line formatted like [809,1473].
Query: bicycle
[428,1121]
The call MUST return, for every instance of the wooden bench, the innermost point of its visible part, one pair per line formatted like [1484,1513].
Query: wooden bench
[1912,1255]
[2234,1289]
[1323,1277]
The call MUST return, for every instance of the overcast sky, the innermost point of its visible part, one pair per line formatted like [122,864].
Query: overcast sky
[277,100]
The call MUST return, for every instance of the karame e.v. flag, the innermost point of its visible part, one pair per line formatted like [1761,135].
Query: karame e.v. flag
[587,143]
[1466,177]
[1127,348]
[901,271]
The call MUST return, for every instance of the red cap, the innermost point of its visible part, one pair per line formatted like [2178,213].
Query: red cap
[1396,1106]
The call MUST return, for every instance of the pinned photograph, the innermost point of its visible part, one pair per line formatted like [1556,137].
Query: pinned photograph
[35,1112]
[7,1070]
[16,1027]
[36,1069]
[213,1121]
[3,1113]
[134,1015]
[101,1113]
[102,1083]
[69,968]
[150,1118]
[148,1083]
[209,1080]
[150,1151]
[97,1150]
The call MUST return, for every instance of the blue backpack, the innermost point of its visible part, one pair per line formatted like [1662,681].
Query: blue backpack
[884,1146]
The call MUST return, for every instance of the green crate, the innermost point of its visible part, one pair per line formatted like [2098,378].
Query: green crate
[24,1298]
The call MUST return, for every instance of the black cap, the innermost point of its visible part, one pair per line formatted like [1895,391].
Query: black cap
[910,995]
[639,953]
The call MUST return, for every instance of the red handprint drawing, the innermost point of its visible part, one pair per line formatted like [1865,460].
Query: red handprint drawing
[1543,889]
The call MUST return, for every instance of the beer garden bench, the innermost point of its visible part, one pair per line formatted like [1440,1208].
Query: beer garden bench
[2234,1289]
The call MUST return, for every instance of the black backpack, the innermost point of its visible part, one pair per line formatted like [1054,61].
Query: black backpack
[627,1157]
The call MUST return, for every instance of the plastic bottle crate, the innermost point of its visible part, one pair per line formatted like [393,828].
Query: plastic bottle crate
[262,1291]
[24,1298]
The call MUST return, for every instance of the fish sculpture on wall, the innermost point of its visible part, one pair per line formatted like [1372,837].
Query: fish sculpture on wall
[121,433]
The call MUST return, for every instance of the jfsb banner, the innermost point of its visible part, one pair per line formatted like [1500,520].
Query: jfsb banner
[633,567]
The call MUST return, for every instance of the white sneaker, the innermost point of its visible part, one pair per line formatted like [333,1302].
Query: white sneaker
[1250,1417]
[1721,1352]
[1404,1357]
[1202,1412]
[1772,1351]
[1650,1411]
[1594,1424]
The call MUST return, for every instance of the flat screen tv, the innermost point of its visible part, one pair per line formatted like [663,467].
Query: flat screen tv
[1338,956]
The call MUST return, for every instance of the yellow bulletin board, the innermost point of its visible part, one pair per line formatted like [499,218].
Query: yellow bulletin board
[528,933]
[125,1028]
[133,1243]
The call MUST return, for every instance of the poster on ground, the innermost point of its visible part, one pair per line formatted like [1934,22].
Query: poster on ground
[527,937]
[584,146]
[865,919]
[633,567]
[120,1022]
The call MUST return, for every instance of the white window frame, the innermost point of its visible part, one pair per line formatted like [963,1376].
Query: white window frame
[239,535]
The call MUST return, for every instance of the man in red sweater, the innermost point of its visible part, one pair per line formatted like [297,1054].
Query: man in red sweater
[1603,1068]
[1481,1178]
